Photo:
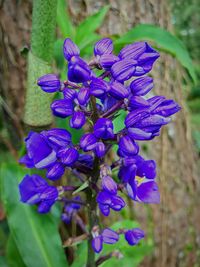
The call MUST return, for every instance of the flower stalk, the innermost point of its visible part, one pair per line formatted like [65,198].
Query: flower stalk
[37,111]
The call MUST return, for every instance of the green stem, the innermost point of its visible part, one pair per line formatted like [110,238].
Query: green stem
[92,211]
[92,221]
[37,106]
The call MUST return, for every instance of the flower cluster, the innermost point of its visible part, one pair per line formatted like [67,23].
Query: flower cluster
[93,101]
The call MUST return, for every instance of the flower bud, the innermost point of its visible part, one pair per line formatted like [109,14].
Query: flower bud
[109,185]
[118,90]
[88,142]
[57,137]
[106,61]
[97,243]
[70,49]
[141,86]
[69,94]
[77,120]
[78,70]
[83,96]
[68,156]
[55,171]
[98,87]
[62,108]
[124,69]
[103,128]
[109,236]
[49,83]
[103,46]
[138,134]
[128,146]
[133,236]
[100,149]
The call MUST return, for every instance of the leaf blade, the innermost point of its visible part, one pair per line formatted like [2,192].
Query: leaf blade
[90,25]
[27,227]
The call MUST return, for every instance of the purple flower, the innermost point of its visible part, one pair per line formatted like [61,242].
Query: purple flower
[139,134]
[70,209]
[100,149]
[103,46]
[83,96]
[98,87]
[77,120]
[108,201]
[57,137]
[97,243]
[143,53]
[88,142]
[69,94]
[108,236]
[141,86]
[78,70]
[68,156]
[133,236]
[103,128]
[106,61]
[124,69]
[167,108]
[137,102]
[35,190]
[118,90]
[70,49]
[49,83]
[127,173]
[127,147]
[109,185]
[62,108]
[145,191]
[39,152]
[98,97]
[55,171]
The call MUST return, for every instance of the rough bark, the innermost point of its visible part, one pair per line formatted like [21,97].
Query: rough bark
[175,219]
[15,25]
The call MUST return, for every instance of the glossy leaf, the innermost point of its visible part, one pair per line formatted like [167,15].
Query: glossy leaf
[163,39]
[13,256]
[35,235]
[90,25]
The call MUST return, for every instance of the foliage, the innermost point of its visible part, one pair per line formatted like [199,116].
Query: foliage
[24,219]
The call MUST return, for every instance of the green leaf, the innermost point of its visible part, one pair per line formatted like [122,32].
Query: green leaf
[88,42]
[119,121]
[163,39]
[90,25]
[81,188]
[13,256]
[3,262]
[35,235]
[132,255]
[63,20]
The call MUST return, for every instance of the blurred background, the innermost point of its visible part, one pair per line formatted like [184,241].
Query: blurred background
[172,27]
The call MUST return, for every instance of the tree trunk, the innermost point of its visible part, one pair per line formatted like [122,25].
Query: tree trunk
[15,26]
[175,220]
